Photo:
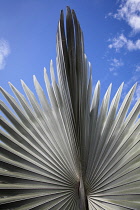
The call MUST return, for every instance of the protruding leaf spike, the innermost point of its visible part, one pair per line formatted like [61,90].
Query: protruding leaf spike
[68,152]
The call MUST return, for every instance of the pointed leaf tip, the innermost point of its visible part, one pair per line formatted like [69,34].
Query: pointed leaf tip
[10,83]
[34,77]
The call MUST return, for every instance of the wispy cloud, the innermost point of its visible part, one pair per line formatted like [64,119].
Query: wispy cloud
[131,82]
[114,65]
[137,68]
[129,11]
[122,42]
[135,78]
[4,52]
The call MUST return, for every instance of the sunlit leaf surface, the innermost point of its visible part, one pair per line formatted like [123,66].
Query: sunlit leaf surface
[69,152]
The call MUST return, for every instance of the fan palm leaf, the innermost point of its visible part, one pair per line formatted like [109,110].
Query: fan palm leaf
[67,152]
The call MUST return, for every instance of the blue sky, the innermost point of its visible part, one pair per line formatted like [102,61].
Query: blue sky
[111,32]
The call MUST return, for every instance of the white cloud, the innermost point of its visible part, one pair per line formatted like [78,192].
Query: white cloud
[130,12]
[131,82]
[115,73]
[114,65]
[4,52]
[109,15]
[133,45]
[137,69]
[122,42]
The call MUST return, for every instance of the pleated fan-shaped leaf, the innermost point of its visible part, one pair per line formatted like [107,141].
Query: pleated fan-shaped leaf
[67,151]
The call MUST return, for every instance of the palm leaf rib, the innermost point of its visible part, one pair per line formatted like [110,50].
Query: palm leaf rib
[66,152]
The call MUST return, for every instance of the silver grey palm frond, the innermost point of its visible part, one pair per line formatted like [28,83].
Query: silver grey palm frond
[66,152]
